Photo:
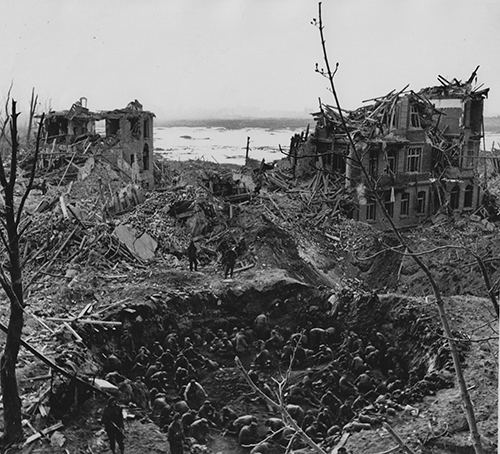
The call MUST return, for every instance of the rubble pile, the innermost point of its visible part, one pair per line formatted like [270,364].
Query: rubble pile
[152,326]
[175,217]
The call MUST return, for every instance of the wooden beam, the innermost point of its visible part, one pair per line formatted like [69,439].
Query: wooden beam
[43,433]
[84,320]
[53,365]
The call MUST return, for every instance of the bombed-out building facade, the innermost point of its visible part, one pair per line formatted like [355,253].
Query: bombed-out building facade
[124,137]
[419,149]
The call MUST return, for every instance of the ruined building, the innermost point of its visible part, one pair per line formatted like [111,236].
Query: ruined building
[125,138]
[420,150]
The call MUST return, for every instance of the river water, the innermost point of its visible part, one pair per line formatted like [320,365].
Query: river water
[226,145]
[220,144]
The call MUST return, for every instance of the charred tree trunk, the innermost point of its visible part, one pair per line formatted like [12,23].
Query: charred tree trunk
[10,394]
[13,431]
[12,285]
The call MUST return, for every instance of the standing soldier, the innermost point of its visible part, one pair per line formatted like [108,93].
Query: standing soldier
[192,255]
[229,262]
[175,435]
[112,418]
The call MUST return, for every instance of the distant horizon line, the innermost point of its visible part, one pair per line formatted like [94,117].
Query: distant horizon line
[240,122]
[255,117]
[239,118]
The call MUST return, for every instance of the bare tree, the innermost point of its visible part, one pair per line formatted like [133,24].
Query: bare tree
[11,274]
[469,409]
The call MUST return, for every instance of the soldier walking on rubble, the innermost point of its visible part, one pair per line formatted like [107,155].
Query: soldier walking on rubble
[229,262]
[112,418]
[192,254]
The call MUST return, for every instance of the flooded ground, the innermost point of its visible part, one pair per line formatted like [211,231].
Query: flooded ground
[225,145]
[220,144]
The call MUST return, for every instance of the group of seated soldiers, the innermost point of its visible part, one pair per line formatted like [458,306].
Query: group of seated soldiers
[344,374]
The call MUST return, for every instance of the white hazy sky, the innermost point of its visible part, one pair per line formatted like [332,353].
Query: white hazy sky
[213,58]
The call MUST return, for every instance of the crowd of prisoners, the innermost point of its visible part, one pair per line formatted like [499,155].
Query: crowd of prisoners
[340,380]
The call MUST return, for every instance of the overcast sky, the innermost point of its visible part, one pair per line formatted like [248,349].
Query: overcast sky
[213,58]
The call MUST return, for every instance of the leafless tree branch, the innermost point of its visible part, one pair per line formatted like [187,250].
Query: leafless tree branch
[29,187]
[469,409]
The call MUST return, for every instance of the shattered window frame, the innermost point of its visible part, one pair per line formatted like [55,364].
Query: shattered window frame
[371,209]
[373,162]
[421,202]
[405,204]
[469,196]
[414,159]
[414,117]
[392,161]
[468,155]
[135,127]
[455,197]
[388,204]
[145,157]
[112,127]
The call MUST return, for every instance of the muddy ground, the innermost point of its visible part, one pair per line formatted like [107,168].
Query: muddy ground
[291,256]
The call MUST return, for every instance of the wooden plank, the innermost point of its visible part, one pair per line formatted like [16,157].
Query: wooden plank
[243,268]
[43,433]
[72,331]
[90,322]
[332,237]
[39,320]
[84,310]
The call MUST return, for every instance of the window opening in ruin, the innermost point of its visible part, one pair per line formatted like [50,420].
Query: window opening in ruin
[414,117]
[57,127]
[392,161]
[373,163]
[132,159]
[405,204]
[468,156]
[414,159]
[469,191]
[135,129]
[338,163]
[421,196]
[476,116]
[371,209]
[454,197]
[80,127]
[145,157]
[146,129]
[388,203]
[100,127]
[112,126]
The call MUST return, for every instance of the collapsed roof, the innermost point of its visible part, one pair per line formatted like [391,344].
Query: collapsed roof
[374,122]
[78,110]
